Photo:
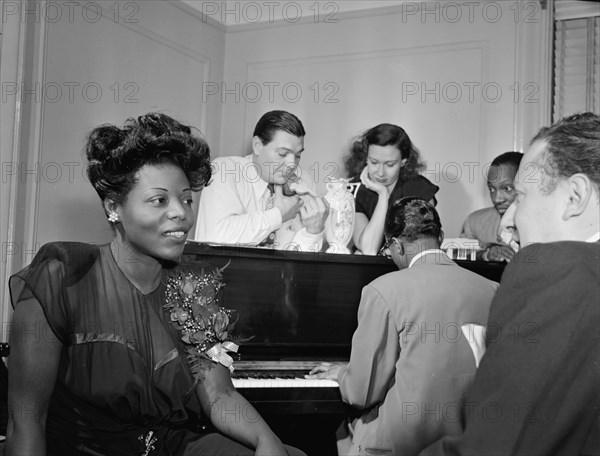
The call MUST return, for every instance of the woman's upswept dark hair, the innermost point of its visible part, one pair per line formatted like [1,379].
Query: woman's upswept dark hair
[412,218]
[115,155]
[384,135]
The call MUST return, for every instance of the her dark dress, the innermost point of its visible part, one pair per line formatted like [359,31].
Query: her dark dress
[419,186]
[123,384]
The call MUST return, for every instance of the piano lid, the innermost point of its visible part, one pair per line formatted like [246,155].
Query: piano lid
[293,305]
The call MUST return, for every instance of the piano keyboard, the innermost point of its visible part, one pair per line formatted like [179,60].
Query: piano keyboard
[461,248]
[277,374]
[254,382]
[462,254]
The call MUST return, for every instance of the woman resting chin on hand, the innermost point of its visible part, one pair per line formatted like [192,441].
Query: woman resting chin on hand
[388,165]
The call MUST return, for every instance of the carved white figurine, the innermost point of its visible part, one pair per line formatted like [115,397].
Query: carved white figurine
[340,223]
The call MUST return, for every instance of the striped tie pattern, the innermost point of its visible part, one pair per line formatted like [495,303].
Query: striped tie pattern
[270,204]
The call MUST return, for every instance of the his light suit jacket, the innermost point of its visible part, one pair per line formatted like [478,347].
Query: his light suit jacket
[410,362]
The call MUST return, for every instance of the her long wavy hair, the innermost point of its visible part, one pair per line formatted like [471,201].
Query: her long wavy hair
[384,135]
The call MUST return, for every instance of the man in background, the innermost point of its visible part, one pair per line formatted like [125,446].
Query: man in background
[537,388]
[484,224]
[250,199]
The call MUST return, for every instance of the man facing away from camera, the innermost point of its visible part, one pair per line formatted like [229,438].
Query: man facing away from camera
[537,389]
[260,199]
[416,347]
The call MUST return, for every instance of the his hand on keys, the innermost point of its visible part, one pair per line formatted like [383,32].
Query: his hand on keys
[313,213]
[289,206]
[327,371]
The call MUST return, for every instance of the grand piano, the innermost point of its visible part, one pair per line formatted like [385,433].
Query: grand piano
[296,309]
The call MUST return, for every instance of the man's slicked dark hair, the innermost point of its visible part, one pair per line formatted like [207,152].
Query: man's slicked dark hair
[573,146]
[411,219]
[273,121]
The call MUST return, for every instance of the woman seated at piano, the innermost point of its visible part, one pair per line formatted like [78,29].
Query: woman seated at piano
[128,345]
[386,165]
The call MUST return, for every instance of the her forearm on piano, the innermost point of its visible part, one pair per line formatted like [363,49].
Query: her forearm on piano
[232,415]
[368,234]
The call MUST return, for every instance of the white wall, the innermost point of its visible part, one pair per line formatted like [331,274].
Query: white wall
[9,120]
[81,68]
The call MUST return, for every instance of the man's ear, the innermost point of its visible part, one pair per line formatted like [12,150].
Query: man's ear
[580,191]
[256,145]
[398,245]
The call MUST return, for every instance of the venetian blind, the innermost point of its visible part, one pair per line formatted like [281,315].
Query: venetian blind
[576,58]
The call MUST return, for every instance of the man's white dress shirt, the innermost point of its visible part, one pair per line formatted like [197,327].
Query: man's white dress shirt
[232,210]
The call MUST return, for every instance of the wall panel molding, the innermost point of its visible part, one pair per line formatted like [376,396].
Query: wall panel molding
[13,59]
[362,59]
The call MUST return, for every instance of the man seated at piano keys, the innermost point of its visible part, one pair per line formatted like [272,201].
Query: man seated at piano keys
[411,358]
[484,224]
[260,199]
[540,373]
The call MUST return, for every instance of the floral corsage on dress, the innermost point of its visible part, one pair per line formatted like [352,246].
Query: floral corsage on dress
[192,301]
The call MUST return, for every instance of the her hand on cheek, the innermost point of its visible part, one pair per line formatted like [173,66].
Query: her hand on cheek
[372,185]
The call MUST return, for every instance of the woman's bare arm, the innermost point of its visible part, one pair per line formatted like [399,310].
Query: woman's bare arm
[32,369]
[233,415]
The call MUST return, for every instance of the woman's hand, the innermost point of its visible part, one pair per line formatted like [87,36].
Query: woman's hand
[368,233]
[328,371]
[378,188]
[232,415]
[270,447]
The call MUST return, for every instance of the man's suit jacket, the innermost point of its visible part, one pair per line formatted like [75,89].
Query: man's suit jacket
[410,362]
[537,390]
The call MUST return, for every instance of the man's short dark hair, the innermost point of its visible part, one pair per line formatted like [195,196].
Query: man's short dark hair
[573,146]
[508,158]
[273,121]
[412,218]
